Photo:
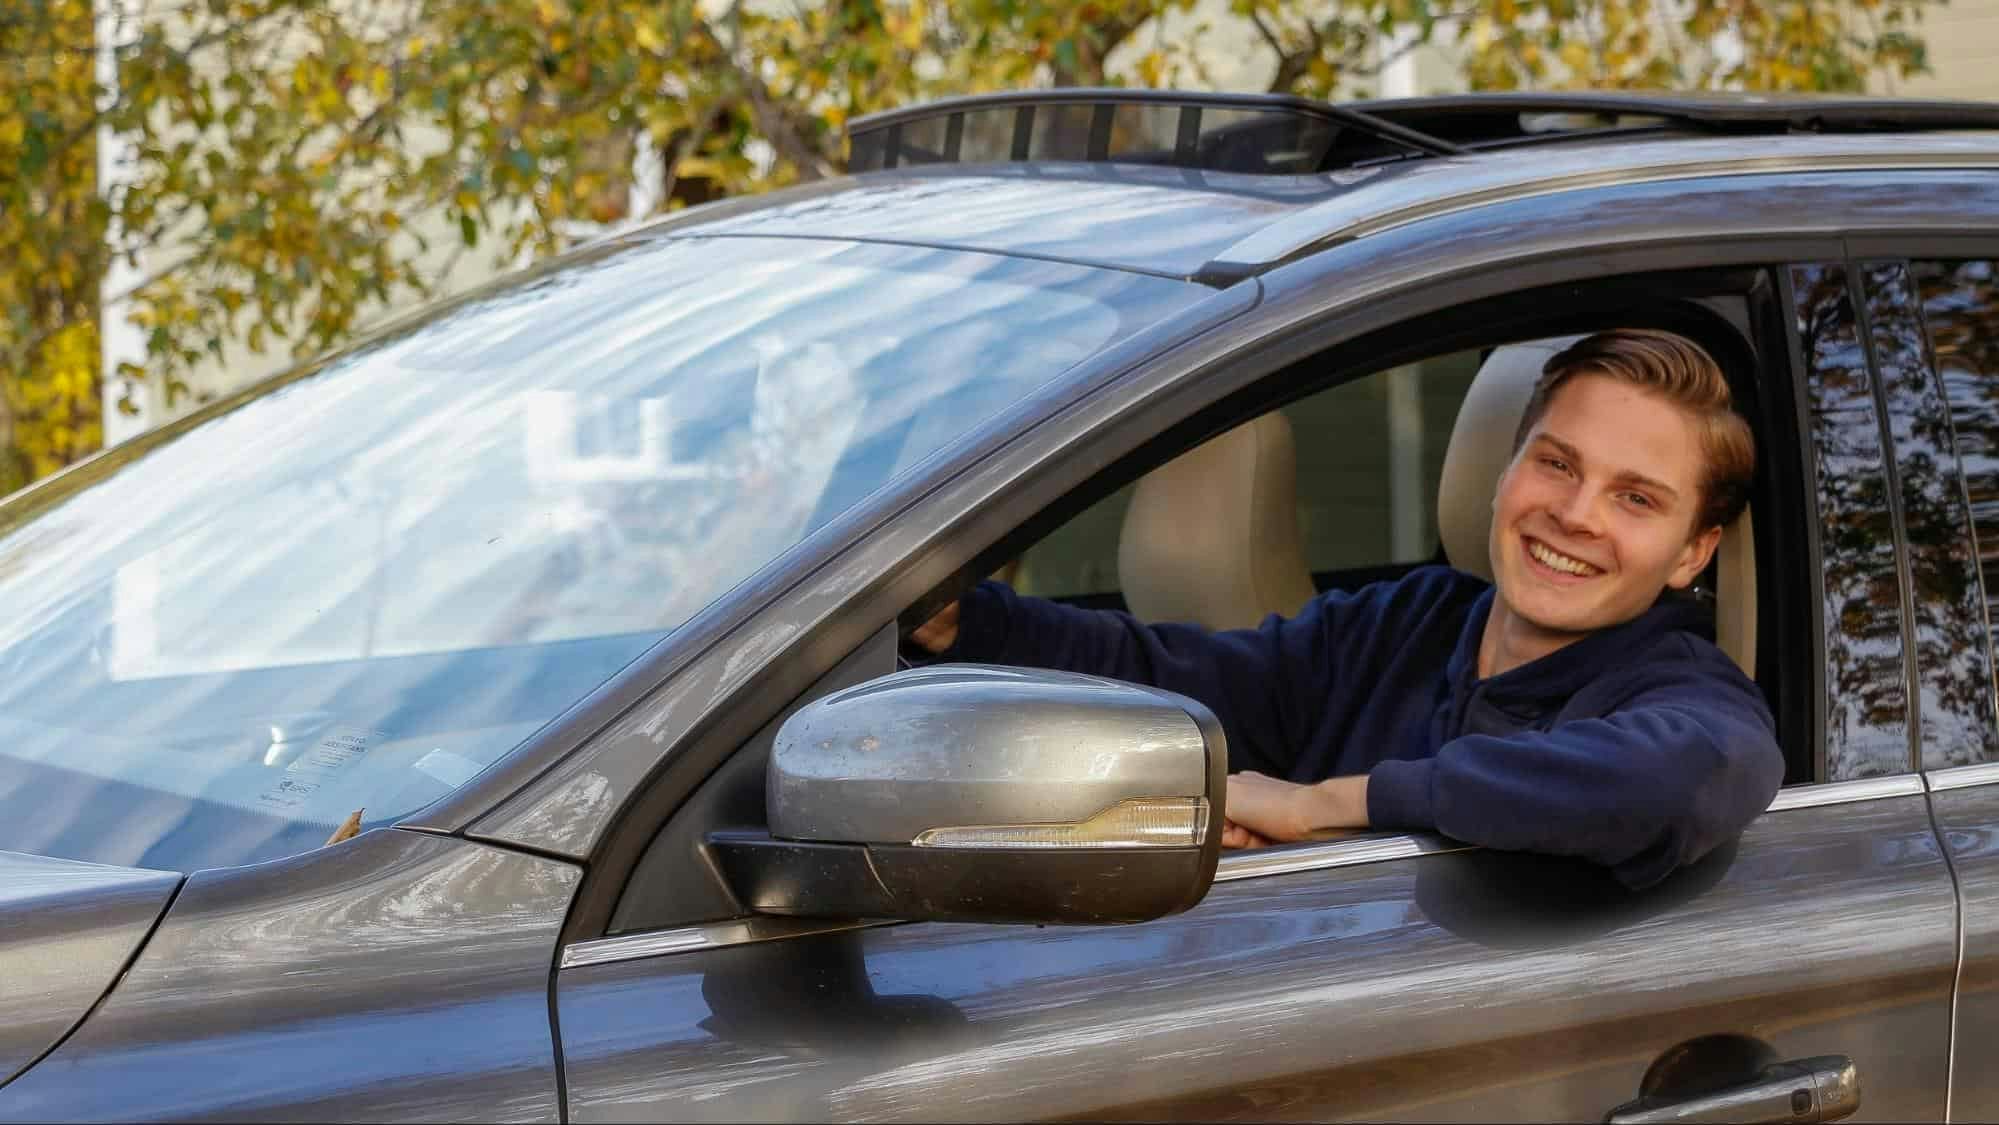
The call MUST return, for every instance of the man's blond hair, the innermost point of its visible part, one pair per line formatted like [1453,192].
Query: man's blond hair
[1679,371]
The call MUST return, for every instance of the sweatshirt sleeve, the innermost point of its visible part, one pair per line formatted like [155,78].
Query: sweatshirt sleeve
[1682,766]
[1265,684]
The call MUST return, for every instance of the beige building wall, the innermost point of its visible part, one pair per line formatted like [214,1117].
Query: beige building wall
[1963,41]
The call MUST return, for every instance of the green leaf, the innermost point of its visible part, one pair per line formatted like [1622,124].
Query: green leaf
[468,230]
[34,152]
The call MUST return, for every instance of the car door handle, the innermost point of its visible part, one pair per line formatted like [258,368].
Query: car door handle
[1821,1088]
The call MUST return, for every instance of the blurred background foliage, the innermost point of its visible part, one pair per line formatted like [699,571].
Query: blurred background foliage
[290,169]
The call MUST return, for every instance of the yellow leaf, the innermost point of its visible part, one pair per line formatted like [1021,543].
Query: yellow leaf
[699,167]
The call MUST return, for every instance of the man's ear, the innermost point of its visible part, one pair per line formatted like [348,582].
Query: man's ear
[1694,558]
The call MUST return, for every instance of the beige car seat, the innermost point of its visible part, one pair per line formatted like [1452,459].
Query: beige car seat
[1212,537]
[1482,445]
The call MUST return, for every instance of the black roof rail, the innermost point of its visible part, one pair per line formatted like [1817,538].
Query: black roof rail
[1476,120]
[1259,133]
[1278,133]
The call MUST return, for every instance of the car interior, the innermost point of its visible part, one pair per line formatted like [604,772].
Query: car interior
[1127,538]
[1242,559]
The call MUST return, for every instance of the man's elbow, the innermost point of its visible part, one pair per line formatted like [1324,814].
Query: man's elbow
[1717,804]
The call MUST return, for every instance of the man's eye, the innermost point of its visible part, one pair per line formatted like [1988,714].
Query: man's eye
[1556,463]
[1639,499]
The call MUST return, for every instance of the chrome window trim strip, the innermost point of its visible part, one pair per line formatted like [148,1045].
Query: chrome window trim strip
[707,935]
[1962,777]
[1846,792]
[743,931]
[1265,862]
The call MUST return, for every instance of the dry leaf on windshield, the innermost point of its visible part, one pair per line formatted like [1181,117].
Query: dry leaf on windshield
[349,828]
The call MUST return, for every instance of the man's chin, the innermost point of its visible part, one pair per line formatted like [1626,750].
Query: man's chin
[1565,628]
[1566,620]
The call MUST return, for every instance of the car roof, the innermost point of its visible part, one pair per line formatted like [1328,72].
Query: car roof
[1216,226]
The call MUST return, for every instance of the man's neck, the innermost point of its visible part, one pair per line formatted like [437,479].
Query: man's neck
[1510,641]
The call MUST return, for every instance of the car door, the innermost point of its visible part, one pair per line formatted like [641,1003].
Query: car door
[1937,320]
[1387,976]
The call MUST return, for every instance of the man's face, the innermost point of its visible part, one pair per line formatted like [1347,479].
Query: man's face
[1595,516]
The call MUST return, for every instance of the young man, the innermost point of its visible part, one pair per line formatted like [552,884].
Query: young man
[1567,708]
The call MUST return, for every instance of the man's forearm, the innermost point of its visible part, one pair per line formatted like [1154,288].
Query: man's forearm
[1337,802]
[1286,810]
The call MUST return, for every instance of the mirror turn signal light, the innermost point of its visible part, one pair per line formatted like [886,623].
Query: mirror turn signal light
[1140,822]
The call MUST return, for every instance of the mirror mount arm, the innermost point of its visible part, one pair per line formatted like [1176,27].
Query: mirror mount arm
[794,878]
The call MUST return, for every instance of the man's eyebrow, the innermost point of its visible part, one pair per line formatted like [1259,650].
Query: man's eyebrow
[1640,479]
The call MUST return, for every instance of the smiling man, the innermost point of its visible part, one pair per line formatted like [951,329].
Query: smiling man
[1566,708]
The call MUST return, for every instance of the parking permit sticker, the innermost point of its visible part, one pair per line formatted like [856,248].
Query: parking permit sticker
[451,769]
[335,751]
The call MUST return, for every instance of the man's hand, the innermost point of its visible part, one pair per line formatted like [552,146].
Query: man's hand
[1263,810]
[938,633]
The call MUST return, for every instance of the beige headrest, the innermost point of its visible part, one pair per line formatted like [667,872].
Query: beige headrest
[1482,445]
[1212,537]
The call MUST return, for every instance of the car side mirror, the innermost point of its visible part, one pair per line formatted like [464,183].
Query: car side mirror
[965,792]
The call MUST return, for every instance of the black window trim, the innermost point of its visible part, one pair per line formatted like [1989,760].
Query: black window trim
[1863,323]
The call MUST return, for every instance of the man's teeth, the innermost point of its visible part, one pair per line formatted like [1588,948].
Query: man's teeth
[1558,561]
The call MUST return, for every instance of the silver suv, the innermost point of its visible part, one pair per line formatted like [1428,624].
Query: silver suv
[505,718]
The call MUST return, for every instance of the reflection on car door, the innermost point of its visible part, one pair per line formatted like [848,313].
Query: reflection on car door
[1386,977]
[1352,980]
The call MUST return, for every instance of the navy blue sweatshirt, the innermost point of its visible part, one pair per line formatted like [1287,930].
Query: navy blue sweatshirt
[1639,747]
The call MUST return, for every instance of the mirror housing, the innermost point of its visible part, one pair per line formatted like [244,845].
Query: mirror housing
[967,792]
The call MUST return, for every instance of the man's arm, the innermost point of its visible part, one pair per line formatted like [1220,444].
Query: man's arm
[1265,810]
[1683,766]
[1264,684]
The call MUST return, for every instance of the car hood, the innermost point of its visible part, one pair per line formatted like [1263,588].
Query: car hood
[67,929]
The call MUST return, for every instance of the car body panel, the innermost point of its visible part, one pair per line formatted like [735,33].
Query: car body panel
[1515,987]
[1966,800]
[1435,187]
[396,976]
[1312,304]
[67,930]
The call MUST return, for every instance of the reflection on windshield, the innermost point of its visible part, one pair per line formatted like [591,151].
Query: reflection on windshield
[360,588]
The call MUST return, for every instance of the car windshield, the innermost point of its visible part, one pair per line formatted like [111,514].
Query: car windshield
[360,585]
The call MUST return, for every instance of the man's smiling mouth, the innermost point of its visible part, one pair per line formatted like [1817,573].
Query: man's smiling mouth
[1554,560]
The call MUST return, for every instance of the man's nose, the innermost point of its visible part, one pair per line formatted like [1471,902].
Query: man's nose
[1580,511]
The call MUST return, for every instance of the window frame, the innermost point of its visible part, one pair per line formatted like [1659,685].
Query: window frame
[1620,298]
